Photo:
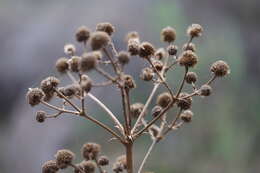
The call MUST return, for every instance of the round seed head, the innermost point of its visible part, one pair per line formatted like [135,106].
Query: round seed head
[194,30]
[164,99]
[88,166]
[40,116]
[205,90]
[189,46]
[106,27]
[34,96]
[64,158]
[132,35]
[69,49]
[136,109]
[133,47]
[50,167]
[90,151]
[123,57]
[156,110]
[147,74]
[122,161]
[117,167]
[146,50]
[86,83]
[82,34]
[220,68]
[74,63]
[168,34]
[191,77]
[103,161]
[88,62]
[188,59]
[172,50]
[49,84]
[98,55]
[99,40]
[129,82]
[62,65]
[186,116]
[70,91]
[184,103]
[160,53]
[79,167]
[158,65]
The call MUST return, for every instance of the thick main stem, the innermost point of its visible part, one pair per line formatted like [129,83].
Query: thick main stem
[129,157]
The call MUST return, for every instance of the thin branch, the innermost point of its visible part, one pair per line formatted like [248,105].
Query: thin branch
[102,84]
[59,109]
[211,80]
[183,81]
[124,104]
[76,168]
[82,94]
[105,74]
[115,67]
[173,123]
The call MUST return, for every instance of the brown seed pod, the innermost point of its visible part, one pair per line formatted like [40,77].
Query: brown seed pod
[172,50]
[158,65]
[122,161]
[50,167]
[99,40]
[184,103]
[129,82]
[74,63]
[146,50]
[189,46]
[40,116]
[194,30]
[69,49]
[103,161]
[132,35]
[188,59]
[88,62]
[160,53]
[164,99]
[82,34]
[106,27]
[205,90]
[90,151]
[49,84]
[156,110]
[88,166]
[220,68]
[64,158]
[147,74]
[123,57]
[117,167]
[168,34]
[186,116]
[136,109]
[86,83]
[133,47]
[62,65]
[34,96]
[191,77]
[79,167]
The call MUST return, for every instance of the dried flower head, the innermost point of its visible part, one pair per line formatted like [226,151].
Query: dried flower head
[74,63]
[88,166]
[86,83]
[147,74]
[70,91]
[97,54]
[129,82]
[40,116]
[220,68]
[146,50]
[123,57]
[34,96]
[103,161]
[106,27]
[64,158]
[50,167]
[195,30]
[136,109]
[156,110]
[189,46]
[164,99]
[172,50]
[78,168]
[191,77]
[122,161]
[88,62]
[160,53]
[188,59]
[117,167]
[158,65]
[99,40]
[69,49]
[186,116]
[82,34]
[205,90]
[184,103]
[132,35]
[90,151]
[133,47]
[168,34]
[49,84]
[62,65]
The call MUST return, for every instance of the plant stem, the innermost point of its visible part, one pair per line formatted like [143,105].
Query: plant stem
[59,109]
[129,157]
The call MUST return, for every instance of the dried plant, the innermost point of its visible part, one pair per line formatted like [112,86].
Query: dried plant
[103,53]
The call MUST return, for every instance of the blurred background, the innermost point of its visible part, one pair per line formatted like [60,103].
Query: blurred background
[224,135]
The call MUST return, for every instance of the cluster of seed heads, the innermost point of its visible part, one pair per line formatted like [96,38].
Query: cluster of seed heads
[99,51]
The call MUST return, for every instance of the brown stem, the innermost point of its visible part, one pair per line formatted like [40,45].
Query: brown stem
[183,81]
[105,74]
[173,123]
[59,109]
[211,80]
[129,157]
[124,104]
[76,168]
[82,95]
[116,69]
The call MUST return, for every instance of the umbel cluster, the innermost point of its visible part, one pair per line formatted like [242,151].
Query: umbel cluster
[137,119]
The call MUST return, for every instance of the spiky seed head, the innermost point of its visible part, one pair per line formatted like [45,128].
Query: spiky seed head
[49,84]
[90,151]
[88,166]
[69,49]
[164,99]
[74,63]
[220,68]
[86,83]
[62,65]
[191,77]
[156,110]
[50,167]
[64,158]
[88,62]
[34,96]
[132,35]
[123,57]
[99,40]
[186,116]
[160,53]
[146,50]
[172,50]
[133,47]
[70,91]
[168,34]
[40,116]
[205,90]
[106,27]
[117,167]
[103,161]
[136,109]
[147,74]
[79,167]
[98,55]
[129,82]
[82,34]
[194,30]
[190,46]
[184,103]
[158,65]
[188,59]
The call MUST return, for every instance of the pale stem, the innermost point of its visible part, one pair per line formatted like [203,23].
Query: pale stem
[59,109]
